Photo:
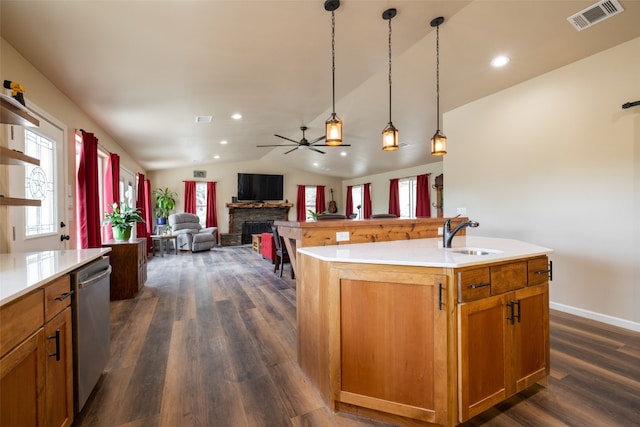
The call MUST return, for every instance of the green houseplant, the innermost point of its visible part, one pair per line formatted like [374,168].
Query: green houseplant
[122,218]
[165,203]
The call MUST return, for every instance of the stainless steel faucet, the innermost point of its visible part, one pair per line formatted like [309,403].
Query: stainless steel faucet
[448,233]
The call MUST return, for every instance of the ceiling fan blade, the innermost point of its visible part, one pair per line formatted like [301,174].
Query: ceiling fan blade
[327,145]
[279,145]
[288,139]
[320,138]
[293,149]
[315,149]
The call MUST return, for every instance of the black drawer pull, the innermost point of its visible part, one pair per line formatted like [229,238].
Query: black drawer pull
[64,296]
[479,285]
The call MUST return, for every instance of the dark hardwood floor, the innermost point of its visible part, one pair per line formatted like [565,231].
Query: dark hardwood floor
[211,341]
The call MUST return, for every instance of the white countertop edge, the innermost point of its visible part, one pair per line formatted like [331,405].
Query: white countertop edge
[426,253]
[16,282]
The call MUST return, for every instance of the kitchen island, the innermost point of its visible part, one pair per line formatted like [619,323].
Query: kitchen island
[409,332]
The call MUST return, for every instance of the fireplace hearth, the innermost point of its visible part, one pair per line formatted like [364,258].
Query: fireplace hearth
[252,212]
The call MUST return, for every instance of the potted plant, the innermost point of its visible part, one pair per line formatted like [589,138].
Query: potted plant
[122,218]
[165,203]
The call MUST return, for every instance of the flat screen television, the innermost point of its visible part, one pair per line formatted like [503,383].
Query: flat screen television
[259,187]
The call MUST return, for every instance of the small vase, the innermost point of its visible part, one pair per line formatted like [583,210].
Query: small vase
[121,234]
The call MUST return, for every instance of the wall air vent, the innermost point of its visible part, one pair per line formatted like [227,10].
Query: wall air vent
[594,14]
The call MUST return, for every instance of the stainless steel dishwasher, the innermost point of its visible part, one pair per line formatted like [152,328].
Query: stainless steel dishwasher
[90,312]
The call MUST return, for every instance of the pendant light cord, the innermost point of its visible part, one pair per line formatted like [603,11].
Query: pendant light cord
[389,70]
[438,75]
[333,60]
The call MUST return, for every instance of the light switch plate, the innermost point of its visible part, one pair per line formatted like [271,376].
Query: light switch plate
[342,236]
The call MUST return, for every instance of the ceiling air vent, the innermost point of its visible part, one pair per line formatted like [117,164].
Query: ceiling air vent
[594,14]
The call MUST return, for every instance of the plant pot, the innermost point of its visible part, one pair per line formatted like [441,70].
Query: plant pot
[121,234]
[161,221]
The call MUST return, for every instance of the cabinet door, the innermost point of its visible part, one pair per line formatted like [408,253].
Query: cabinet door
[482,348]
[59,371]
[22,379]
[530,337]
[392,349]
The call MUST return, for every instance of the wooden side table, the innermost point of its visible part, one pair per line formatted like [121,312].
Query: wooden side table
[163,240]
[129,263]
[256,242]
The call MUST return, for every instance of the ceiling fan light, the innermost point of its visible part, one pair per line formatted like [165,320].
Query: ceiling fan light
[438,144]
[390,138]
[333,131]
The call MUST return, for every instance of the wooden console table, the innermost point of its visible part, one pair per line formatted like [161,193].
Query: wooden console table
[129,267]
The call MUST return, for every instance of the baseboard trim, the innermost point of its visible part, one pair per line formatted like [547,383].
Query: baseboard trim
[610,320]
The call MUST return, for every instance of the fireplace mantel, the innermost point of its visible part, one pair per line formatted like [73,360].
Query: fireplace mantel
[239,212]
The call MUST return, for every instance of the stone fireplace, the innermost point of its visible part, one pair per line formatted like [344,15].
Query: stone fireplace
[246,218]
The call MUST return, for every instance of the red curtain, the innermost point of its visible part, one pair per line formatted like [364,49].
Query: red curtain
[301,202]
[111,187]
[88,202]
[190,197]
[141,227]
[423,204]
[321,204]
[367,201]
[348,206]
[394,197]
[212,215]
[148,213]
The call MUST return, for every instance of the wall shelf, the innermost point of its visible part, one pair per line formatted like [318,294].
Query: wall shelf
[14,113]
[14,201]
[13,157]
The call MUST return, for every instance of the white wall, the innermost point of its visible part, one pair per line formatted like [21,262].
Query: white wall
[556,161]
[225,175]
[380,186]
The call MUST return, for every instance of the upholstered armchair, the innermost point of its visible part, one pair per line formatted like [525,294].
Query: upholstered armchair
[191,236]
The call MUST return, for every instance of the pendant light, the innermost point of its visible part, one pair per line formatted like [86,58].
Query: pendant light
[333,125]
[390,133]
[439,140]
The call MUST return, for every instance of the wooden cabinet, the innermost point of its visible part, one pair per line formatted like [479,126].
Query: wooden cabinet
[503,339]
[36,365]
[129,267]
[392,353]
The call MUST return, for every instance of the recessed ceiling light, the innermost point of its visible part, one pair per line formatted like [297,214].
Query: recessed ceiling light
[204,119]
[236,116]
[315,164]
[224,142]
[500,61]
[216,157]
[343,153]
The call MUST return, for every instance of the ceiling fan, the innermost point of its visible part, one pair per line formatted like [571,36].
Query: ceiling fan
[303,143]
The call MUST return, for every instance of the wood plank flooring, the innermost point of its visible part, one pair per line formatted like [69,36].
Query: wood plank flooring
[211,341]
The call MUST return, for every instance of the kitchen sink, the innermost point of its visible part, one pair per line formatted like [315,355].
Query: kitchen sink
[475,251]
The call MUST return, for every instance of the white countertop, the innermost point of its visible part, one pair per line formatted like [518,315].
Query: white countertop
[427,252]
[20,273]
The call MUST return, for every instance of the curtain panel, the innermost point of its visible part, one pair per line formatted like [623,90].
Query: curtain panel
[141,227]
[321,204]
[148,214]
[301,202]
[366,209]
[190,197]
[212,215]
[394,197]
[88,202]
[111,187]
[348,206]
[423,204]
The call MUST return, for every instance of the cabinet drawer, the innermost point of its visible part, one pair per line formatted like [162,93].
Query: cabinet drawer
[19,319]
[508,277]
[58,288]
[473,284]
[538,271]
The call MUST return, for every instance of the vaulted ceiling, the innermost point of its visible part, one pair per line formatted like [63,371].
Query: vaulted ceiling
[143,70]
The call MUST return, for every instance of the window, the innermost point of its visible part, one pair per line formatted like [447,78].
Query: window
[201,202]
[357,197]
[309,199]
[40,185]
[407,195]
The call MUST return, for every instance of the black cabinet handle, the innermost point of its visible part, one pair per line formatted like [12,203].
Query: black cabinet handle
[479,285]
[440,303]
[511,317]
[547,271]
[518,315]
[64,296]
[57,338]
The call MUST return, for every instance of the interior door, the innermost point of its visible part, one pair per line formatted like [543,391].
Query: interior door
[28,230]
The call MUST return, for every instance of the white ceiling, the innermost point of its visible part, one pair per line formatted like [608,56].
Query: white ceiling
[143,70]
